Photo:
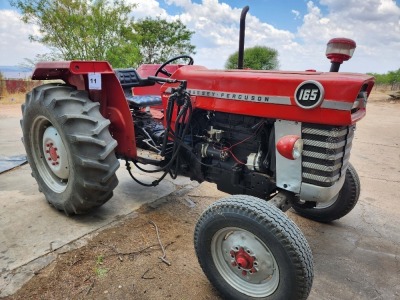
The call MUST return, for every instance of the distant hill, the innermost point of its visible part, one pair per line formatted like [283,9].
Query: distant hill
[15,72]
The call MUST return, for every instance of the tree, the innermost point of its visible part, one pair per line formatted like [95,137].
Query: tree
[391,78]
[84,29]
[256,58]
[31,62]
[160,40]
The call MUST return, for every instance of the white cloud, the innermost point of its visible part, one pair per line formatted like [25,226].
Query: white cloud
[373,24]
[14,42]
[296,14]
[148,8]
[216,27]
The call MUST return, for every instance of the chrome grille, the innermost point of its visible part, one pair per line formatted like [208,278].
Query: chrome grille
[326,153]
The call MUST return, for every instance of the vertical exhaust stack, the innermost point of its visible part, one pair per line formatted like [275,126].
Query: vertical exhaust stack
[242,35]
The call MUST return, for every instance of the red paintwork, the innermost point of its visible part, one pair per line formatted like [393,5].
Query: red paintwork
[341,87]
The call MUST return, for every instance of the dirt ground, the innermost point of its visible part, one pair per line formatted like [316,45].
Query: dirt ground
[123,262]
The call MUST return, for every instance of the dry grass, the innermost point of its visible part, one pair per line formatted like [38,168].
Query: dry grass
[16,98]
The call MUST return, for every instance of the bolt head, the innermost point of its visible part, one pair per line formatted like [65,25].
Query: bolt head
[49,158]
[234,264]
[244,273]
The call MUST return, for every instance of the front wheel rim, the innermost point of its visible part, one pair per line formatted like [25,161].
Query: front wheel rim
[49,154]
[245,262]
[322,205]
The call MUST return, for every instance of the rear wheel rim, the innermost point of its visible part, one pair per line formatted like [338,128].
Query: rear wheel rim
[49,154]
[245,262]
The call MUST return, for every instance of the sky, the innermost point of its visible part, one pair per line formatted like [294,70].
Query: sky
[298,29]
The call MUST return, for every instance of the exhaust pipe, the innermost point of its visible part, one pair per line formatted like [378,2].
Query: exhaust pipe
[242,35]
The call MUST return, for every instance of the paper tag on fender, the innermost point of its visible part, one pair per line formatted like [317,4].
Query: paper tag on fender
[94,81]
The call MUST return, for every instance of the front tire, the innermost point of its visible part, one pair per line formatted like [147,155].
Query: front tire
[69,148]
[249,249]
[340,205]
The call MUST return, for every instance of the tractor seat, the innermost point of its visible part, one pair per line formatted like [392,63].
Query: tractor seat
[143,100]
[129,78]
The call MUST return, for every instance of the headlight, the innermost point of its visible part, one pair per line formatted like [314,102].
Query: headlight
[290,146]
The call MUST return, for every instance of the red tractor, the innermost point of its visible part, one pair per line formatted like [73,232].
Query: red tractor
[273,139]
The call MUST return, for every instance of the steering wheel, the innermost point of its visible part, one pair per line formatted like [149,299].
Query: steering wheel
[168,74]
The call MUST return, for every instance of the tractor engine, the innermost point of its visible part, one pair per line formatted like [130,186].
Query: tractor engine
[234,151]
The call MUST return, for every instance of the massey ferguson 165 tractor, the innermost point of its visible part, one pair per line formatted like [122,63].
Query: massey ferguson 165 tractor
[272,139]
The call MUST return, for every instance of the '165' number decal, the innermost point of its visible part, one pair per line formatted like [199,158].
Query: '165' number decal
[309,94]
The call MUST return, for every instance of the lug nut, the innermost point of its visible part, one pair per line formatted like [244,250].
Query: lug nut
[234,264]
[49,158]
[47,151]
[244,273]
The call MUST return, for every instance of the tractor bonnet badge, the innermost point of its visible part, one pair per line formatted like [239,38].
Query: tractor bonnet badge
[309,94]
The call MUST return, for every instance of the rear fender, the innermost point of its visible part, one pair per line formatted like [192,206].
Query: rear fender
[113,104]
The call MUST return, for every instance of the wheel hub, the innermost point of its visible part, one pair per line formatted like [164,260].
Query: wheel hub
[243,260]
[55,153]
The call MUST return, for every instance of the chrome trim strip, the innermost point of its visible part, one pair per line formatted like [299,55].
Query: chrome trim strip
[338,105]
[238,96]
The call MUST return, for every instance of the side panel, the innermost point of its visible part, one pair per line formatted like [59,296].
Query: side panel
[288,172]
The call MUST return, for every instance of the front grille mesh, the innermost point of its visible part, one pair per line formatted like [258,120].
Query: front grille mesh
[326,153]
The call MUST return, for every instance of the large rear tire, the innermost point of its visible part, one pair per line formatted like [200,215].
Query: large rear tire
[249,249]
[338,206]
[69,148]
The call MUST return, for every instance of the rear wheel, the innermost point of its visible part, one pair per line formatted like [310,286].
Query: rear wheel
[249,249]
[338,206]
[69,148]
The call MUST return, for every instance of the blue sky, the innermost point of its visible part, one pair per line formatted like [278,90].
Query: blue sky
[298,29]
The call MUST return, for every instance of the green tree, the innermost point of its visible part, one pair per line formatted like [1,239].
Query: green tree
[256,58]
[31,62]
[160,40]
[391,78]
[84,29]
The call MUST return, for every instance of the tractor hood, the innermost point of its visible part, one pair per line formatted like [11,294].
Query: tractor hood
[315,97]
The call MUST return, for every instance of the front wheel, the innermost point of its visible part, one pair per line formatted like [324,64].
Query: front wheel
[249,249]
[69,148]
[338,206]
